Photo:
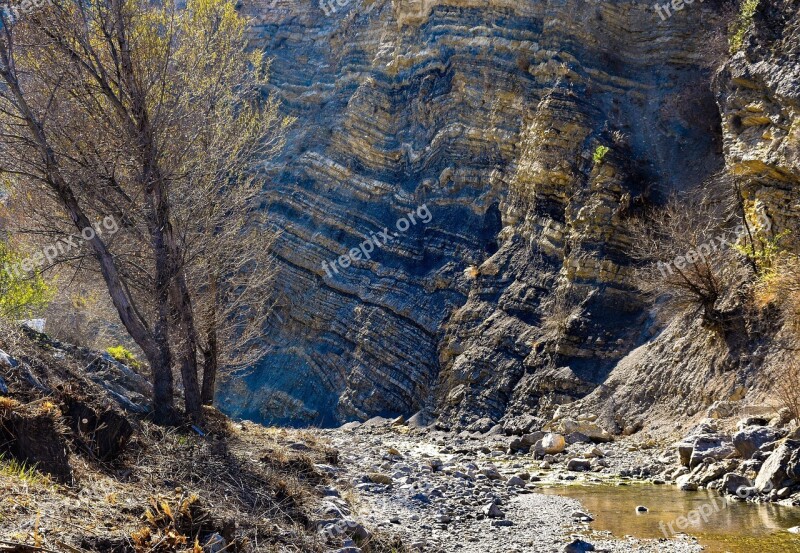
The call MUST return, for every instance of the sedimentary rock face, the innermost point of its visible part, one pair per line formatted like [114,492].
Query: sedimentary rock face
[454,201]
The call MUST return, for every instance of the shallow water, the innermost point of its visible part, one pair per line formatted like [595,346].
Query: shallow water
[719,525]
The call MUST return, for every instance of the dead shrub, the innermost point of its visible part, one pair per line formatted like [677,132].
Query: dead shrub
[787,386]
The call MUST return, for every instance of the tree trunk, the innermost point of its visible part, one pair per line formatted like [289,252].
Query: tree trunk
[157,354]
[210,368]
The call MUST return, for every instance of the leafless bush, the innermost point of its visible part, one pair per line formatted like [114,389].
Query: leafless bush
[787,386]
[690,261]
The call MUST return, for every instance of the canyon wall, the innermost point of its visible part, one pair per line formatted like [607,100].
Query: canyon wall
[507,290]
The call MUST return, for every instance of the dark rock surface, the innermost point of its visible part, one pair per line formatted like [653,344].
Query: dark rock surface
[515,296]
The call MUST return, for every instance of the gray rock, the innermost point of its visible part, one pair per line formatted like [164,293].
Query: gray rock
[502,523]
[734,484]
[578,546]
[578,438]
[749,440]
[493,511]
[515,482]
[781,469]
[530,439]
[577,465]
[713,446]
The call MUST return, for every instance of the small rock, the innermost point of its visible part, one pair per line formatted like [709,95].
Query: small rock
[493,511]
[578,546]
[215,544]
[378,478]
[515,482]
[502,523]
[577,465]
[641,509]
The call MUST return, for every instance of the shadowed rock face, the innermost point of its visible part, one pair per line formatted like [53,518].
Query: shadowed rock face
[487,113]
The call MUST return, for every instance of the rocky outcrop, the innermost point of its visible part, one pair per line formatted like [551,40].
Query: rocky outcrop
[515,295]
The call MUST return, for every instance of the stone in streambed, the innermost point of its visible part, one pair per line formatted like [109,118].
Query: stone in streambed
[578,546]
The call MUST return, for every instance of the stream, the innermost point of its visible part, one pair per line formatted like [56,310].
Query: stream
[720,526]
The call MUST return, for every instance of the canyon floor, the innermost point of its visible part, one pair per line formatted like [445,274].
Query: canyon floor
[447,493]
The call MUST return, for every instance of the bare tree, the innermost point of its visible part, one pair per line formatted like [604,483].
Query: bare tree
[690,256]
[122,108]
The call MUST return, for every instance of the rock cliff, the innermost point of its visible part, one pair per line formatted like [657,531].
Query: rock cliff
[530,132]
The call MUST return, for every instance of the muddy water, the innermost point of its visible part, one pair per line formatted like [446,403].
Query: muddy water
[733,527]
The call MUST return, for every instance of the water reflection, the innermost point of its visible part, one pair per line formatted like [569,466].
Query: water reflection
[720,525]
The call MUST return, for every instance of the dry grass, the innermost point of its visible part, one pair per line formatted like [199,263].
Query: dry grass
[257,487]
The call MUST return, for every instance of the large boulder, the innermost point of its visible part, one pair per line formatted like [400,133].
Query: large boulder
[586,427]
[734,484]
[716,447]
[781,469]
[551,444]
[749,440]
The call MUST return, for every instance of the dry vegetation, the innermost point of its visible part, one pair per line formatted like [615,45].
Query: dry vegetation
[166,490]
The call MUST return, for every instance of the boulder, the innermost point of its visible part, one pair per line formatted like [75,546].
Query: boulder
[734,484]
[578,438]
[551,443]
[419,420]
[751,439]
[710,471]
[586,427]
[714,446]
[781,469]
[515,482]
[529,440]
[521,425]
[577,465]
[685,483]
[493,511]
[721,410]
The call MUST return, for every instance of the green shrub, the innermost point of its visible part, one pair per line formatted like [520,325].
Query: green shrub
[599,153]
[125,356]
[22,294]
[739,27]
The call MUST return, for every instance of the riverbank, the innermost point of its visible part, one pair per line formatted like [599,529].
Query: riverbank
[444,493]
